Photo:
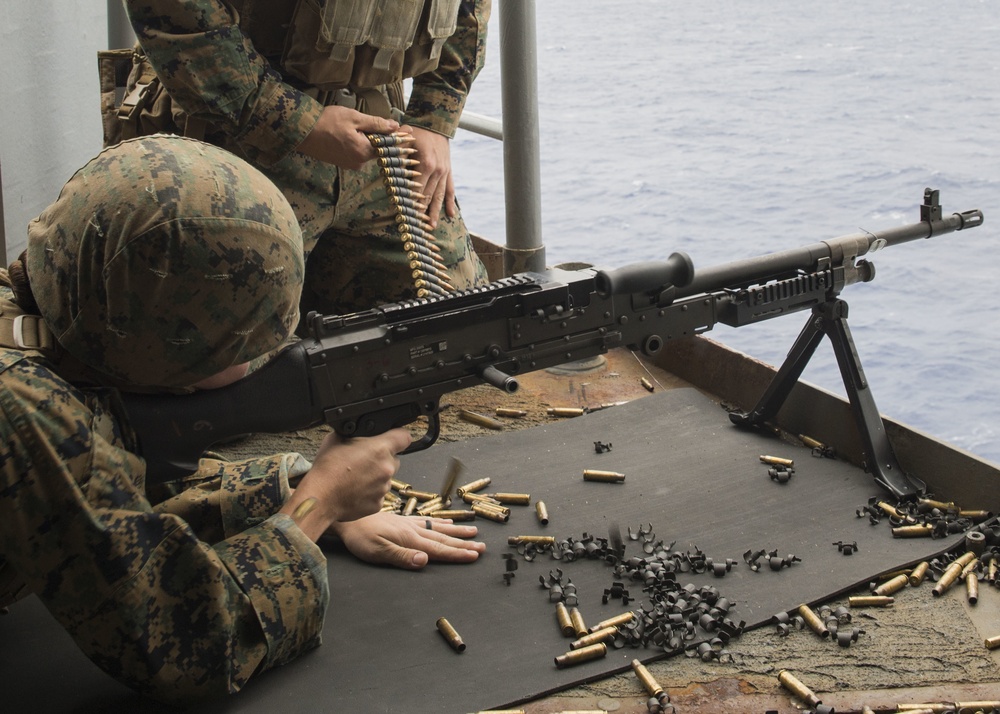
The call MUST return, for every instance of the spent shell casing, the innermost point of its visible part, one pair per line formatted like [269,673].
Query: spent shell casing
[456,516]
[952,573]
[536,539]
[579,626]
[398,485]
[480,497]
[922,530]
[450,635]
[480,420]
[811,442]
[647,680]
[435,504]
[776,460]
[565,623]
[542,512]
[792,683]
[919,573]
[615,621]
[473,486]
[929,504]
[602,635]
[513,499]
[646,384]
[603,476]
[813,621]
[972,588]
[511,413]
[993,643]
[892,586]
[871,601]
[419,495]
[585,654]
[975,515]
[455,469]
[565,411]
[411,506]
[889,510]
[482,510]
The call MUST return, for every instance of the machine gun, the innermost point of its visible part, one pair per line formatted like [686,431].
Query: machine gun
[367,372]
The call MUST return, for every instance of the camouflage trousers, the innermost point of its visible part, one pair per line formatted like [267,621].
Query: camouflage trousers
[355,256]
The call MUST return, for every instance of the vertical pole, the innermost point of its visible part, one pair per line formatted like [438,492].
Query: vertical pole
[519,95]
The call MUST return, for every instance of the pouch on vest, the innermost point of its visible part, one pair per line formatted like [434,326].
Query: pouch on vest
[20,330]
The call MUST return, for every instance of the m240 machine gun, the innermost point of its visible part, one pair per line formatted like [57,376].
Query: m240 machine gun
[367,372]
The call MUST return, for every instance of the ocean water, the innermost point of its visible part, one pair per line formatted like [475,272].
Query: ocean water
[730,129]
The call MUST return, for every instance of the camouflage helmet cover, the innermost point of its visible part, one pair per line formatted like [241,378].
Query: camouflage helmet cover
[166,260]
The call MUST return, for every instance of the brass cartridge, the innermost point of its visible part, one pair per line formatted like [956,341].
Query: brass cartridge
[419,495]
[565,623]
[929,504]
[450,635]
[477,485]
[927,708]
[975,515]
[602,635]
[584,654]
[497,516]
[480,420]
[646,384]
[647,680]
[537,540]
[952,573]
[919,573]
[892,586]
[922,530]
[511,413]
[603,476]
[993,643]
[435,504]
[398,485]
[477,497]
[813,620]
[542,512]
[811,442]
[613,621]
[411,506]
[972,588]
[889,510]
[456,516]
[777,461]
[870,601]
[576,617]
[790,682]
[564,411]
[513,499]
[455,469]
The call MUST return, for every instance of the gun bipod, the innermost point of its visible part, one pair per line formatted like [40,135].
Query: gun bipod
[830,319]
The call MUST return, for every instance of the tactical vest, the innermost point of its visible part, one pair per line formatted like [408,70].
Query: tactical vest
[333,44]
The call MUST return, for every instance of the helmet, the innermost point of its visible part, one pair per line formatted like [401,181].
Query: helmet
[166,260]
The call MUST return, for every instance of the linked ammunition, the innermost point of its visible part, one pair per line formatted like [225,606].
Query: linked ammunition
[455,469]
[480,420]
[649,683]
[603,476]
[512,413]
[922,530]
[584,654]
[892,586]
[537,540]
[542,512]
[790,682]
[564,411]
[482,510]
[602,635]
[576,617]
[952,573]
[613,621]
[871,601]
[565,623]
[776,461]
[456,516]
[477,485]
[919,573]
[513,499]
[813,620]
[450,635]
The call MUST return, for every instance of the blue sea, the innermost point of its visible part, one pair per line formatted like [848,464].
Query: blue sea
[730,129]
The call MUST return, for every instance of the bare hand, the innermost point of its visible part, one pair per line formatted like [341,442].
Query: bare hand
[348,480]
[406,541]
[438,184]
[339,137]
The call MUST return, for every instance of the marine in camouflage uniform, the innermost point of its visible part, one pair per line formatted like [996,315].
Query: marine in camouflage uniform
[234,69]
[163,261]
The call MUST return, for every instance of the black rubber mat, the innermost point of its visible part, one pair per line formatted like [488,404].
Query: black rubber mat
[691,477]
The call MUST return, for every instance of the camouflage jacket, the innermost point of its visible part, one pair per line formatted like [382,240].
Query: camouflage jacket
[215,73]
[178,596]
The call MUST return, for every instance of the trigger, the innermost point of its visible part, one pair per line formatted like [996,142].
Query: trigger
[429,437]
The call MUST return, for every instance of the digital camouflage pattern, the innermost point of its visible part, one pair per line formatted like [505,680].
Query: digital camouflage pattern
[189,591]
[216,74]
[166,260]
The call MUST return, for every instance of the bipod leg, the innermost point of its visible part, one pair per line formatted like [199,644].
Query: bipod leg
[830,318]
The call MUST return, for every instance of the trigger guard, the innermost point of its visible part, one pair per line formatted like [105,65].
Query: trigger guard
[429,437]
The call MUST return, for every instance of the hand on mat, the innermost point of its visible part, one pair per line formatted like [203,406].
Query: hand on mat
[408,542]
